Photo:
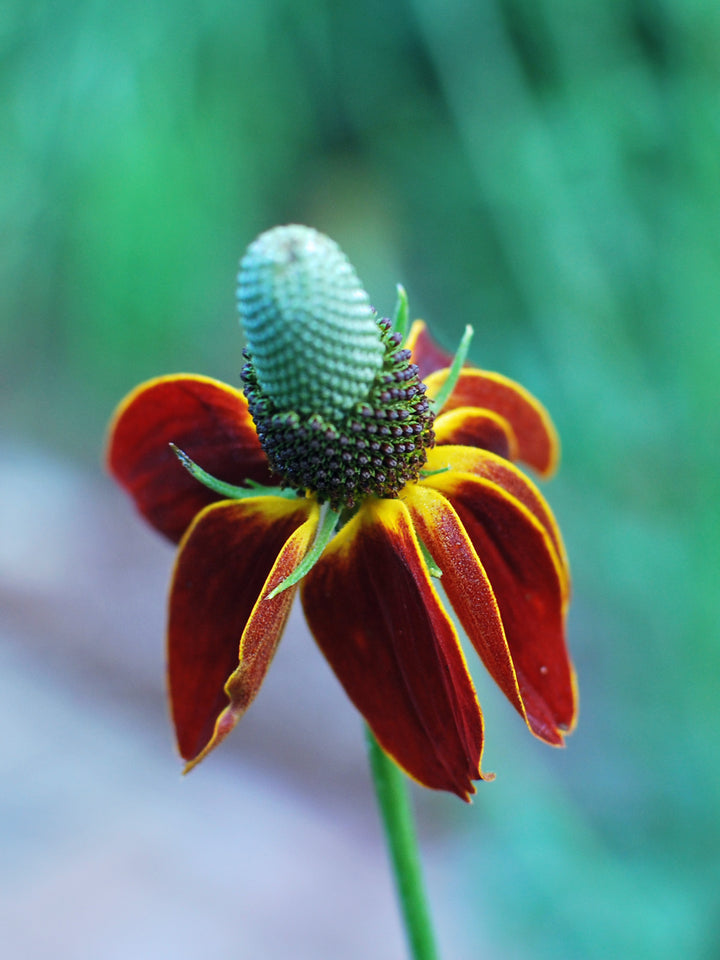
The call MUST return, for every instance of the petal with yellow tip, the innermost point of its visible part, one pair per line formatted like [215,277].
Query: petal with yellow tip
[537,440]
[376,616]
[489,466]
[472,427]
[207,420]
[527,579]
[223,631]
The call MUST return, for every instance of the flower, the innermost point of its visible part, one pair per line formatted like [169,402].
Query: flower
[444,500]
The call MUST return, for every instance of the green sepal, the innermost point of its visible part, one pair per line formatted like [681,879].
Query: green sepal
[432,568]
[447,388]
[324,535]
[229,490]
[402,313]
[433,473]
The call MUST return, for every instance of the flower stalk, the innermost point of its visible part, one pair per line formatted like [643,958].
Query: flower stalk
[394,804]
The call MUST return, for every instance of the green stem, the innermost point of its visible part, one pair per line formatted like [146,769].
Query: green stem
[397,818]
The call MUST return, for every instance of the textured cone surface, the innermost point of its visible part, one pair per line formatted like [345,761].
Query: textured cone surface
[373,450]
[311,331]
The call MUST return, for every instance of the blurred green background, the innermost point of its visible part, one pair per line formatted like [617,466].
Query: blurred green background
[546,170]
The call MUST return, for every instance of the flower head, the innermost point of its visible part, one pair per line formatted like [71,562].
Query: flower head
[336,469]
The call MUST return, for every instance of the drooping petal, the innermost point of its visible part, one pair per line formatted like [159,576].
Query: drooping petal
[378,619]
[223,631]
[537,440]
[516,552]
[206,419]
[425,352]
[470,592]
[472,427]
[483,463]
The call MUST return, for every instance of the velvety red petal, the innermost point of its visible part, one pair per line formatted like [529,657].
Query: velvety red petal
[378,619]
[472,427]
[469,591]
[537,440]
[206,419]
[223,632]
[483,463]
[517,555]
[425,352]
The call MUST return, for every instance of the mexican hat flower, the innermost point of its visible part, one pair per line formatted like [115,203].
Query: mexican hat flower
[363,472]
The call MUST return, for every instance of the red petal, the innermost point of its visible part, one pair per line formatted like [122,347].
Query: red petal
[471,427]
[484,464]
[425,352]
[222,632]
[469,591]
[378,620]
[203,417]
[537,441]
[516,552]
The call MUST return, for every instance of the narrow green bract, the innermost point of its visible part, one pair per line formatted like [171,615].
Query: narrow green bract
[311,331]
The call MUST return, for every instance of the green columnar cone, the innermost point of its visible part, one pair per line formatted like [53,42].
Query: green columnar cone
[311,332]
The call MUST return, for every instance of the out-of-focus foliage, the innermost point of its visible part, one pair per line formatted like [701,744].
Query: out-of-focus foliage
[547,170]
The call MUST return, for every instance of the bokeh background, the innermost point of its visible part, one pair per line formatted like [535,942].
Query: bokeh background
[547,170]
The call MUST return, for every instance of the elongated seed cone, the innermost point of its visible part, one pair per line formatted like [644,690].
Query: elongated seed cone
[312,334]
